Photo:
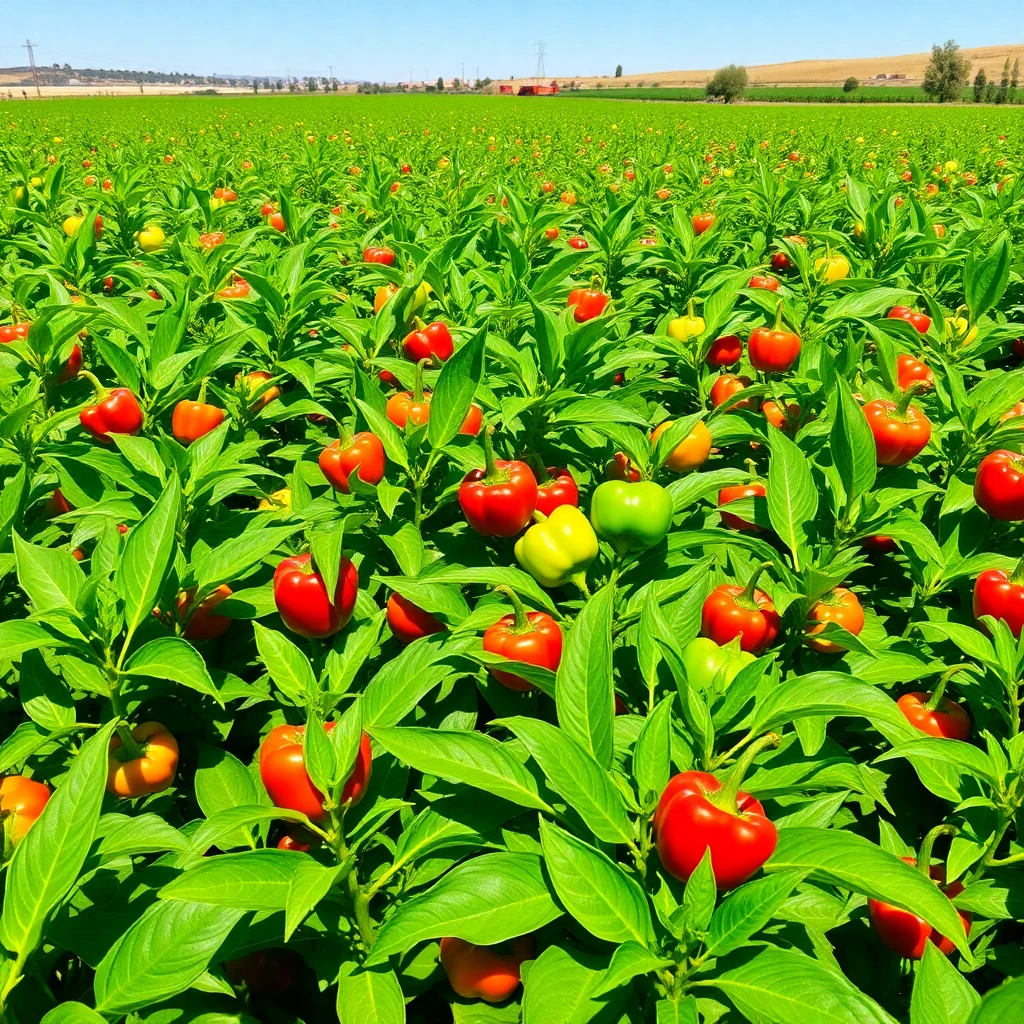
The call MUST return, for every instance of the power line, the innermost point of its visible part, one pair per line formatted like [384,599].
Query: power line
[540,62]
[30,46]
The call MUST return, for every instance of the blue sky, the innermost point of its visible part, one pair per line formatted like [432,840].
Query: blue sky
[403,38]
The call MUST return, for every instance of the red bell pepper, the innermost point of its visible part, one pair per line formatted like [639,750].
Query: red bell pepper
[192,420]
[934,714]
[588,303]
[999,486]
[429,341]
[900,431]
[558,487]
[697,813]
[533,638]
[500,499]
[725,351]
[1001,596]
[773,349]
[302,601]
[115,412]
[731,611]
[726,385]
[910,370]
[919,321]
[409,622]
[362,454]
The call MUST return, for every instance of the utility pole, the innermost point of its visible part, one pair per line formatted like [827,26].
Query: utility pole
[30,46]
[540,63]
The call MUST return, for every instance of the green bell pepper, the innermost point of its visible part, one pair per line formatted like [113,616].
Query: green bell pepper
[631,516]
[707,665]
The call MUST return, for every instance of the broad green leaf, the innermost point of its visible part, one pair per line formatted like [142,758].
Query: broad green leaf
[453,393]
[176,660]
[942,995]
[792,495]
[489,899]
[369,996]
[288,666]
[747,910]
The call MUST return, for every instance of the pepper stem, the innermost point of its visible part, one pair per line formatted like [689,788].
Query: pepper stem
[101,391]
[900,412]
[725,798]
[751,469]
[936,698]
[1017,576]
[202,391]
[417,387]
[490,466]
[522,624]
[595,283]
[689,308]
[924,856]
[746,599]
[778,317]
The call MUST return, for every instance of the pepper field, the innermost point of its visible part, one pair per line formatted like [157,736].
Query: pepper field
[492,560]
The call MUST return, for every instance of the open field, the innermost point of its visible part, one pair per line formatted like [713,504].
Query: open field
[476,560]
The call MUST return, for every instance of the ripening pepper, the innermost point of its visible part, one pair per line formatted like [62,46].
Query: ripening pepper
[558,549]
[631,516]
[901,431]
[698,813]
[773,349]
[193,420]
[429,341]
[840,606]
[533,638]
[683,328]
[731,611]
[999,486]
[362,454]
[500,499]
[934,714]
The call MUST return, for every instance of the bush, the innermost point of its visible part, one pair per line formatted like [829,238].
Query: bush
[851,84]
[728,83]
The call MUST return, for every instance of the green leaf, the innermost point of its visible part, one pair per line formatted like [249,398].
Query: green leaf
[50,577]
[486,900]
[47,862]
[287,665]
[848,860]
[18,636]
[456,385]
[472,758]
[576,776]
[73,1013]
[150,962]
[942,995]
[779,986]
[176,660]
[747,910]
[1001,1005]
[594,889]
[146,557]
[369,996]
[628,961]
[584,694]
[561,987]
[792,496]
[852,445]
[986,280]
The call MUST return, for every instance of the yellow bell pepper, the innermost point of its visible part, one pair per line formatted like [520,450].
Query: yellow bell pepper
[558,549]
[683,328]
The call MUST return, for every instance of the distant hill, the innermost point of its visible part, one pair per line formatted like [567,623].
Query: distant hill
[907,69]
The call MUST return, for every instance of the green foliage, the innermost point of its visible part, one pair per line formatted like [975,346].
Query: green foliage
[947,73]
[728,83]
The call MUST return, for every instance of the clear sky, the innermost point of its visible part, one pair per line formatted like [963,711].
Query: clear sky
[399,39]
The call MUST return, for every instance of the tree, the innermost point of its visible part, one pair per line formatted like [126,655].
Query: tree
[1004,83]
[947,73]
[980,81]
[991,91]
[728,83]
[1014,78]
[618,70]
[440,83]
[851,84]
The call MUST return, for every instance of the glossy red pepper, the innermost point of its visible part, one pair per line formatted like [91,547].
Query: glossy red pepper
[731,611]
[900,431]
[533,638]
[701,222]
[558,487]
[72,367]
[879,545]
[753,489]
[910,370]
[906,933]
[999,486]
[300,595]
[1001,596]
[773,349]
[935,714]
[409,622]
[697,813]
[725,351]
[919,321]
[115,412]
[621,467]
[498,500]
[430,341]
[578,242]
[764,281]
[14,332]
[284,775]
[587,302]
[362,454]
